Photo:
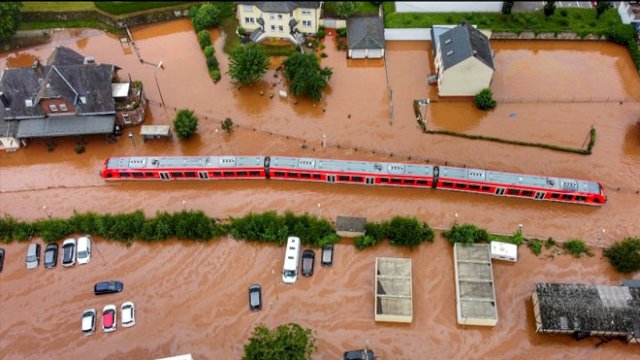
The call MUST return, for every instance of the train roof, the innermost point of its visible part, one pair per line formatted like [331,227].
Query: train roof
[381,168]
[184,162]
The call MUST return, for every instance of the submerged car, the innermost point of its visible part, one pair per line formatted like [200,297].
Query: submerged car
[128,314]
[308,260]
[33,256]
[109,318]
[83,249]
[69,252]
[108,287]
[51,256]
[358,355]
[89,321]
[255,297]
[327,255]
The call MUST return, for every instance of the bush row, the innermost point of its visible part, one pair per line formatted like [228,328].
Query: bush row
[207,16]
[400,231]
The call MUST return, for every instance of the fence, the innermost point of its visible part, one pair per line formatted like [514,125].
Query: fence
[407,34]
[333,23]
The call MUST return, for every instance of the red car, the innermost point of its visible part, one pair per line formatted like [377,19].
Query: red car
[109,318]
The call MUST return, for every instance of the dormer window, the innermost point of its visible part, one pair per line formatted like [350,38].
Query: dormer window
[450,52]
[63,108]
[53,108]
[448,41]
[83,99]
[28,103]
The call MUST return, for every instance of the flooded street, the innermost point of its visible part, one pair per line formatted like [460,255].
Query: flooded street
[189,298]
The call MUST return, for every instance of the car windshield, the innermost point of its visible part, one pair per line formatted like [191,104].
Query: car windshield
[32,258]
[289,273]
[82,254]
[48,256]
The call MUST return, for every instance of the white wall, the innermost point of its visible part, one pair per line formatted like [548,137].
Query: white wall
[448,6]
[465,78]
[407,34]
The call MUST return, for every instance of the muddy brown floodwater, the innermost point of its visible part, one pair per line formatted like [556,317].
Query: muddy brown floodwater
[193,297]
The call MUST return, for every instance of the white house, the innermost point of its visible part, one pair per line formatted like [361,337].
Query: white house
[463,61]
[279,19]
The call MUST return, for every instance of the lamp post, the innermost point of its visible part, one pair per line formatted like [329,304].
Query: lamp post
[520,227]
[184,205]
[48,213]
[455,218]
[319,210]
[133,141]
[600,236]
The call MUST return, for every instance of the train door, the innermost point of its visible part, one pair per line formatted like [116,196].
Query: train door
[203,175]
[331,178]
[540,195]
[499,191]
[164,176]
[369,181]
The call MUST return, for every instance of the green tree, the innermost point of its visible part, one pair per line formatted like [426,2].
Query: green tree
[624,256]
[286,342]
[248,64]
[408,232]
[207,16]
[506,7]
[345,9]
[9,19]
[466,234]
[601,7]
[185,124]
[306,77]
[227,125]
[549,8]
[484,99]
[204,39]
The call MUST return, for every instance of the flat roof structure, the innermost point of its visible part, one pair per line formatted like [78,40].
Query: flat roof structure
[394,297]
[349,226]
[475,293]
[587,310]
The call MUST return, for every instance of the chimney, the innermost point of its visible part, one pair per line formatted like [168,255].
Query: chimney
[4,99]
[37,67]
[89,60]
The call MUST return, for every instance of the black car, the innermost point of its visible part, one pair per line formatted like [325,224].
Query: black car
[51,256]
[327,255]
[308,260]
[255,297]
[358,355]
[108,287]
[1,258]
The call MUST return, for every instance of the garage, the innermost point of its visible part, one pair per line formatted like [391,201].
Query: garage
[365,37]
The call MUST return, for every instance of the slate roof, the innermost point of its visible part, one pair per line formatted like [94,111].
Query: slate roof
[66,126]
[64,56]
[365,32]
[281,6]
[18,84]
[463,42]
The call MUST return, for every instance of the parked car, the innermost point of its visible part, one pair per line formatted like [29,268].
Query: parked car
[69,252]
[327,255]
[83,253]
[128,314]
[108,287]
[51,256]
[308,260]
[33,256]
[255,297]
[89,321]
[358,355]
[109,318]
[1,258]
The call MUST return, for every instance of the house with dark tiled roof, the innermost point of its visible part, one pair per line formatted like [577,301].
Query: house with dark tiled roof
[69,96]
[279,19]
[365,37]
[463,61]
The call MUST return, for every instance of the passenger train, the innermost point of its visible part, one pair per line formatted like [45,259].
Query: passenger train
[355,172]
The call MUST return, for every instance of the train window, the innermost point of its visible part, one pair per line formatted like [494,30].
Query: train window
[513,191]
[447,184]
[555,196]
[317,176]
[109,175]
[137,174]
[409,181]
[486,188]
[148,174]
[581,198]
[242,173]
[254,173]
[461,186]
[343,178]
[278,173]
[292,175]
[423,182]
[356,178]
[474,187]
[228,173]
[596,200]
[527,193]
[396,181]
[190,174]
[384,180]
[217,173]
[124,174]
[567,197]
[305,176]
[176,174]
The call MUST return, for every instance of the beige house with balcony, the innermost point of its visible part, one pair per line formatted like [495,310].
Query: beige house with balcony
[279,19]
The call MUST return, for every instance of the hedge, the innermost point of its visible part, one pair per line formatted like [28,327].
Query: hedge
[125,7]
[400,231]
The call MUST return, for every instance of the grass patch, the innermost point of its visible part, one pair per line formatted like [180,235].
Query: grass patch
[88,23]
[364,8]
[231,39]
[279,50]
[57,6]
[576,248]
[125,7]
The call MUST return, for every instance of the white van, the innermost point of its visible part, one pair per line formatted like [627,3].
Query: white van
[291,260]
[83,252]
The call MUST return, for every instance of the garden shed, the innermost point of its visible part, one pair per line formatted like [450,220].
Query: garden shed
[365,37]
[393,297]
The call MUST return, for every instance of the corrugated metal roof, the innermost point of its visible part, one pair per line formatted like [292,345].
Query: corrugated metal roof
[65,126]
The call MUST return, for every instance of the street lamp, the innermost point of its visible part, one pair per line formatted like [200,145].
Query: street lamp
[319,210]
[520,227]
[48,213]
[133,141]
[184,204]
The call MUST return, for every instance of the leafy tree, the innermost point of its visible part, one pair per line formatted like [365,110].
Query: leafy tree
[408,232]
[9,19]
[601,7]
[305,75]
[204,39]
[344,9]
[466,234]
[484,99]
[506,7]
[207,16]
[248,64]
[185,124]
[227,125]
[549,8]
[624,256]
[286,342]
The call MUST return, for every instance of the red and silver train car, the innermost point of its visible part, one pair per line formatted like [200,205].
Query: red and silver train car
[356,172]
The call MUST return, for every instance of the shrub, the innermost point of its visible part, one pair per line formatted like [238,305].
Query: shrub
[265,227]
[564,13]
[549,243]
[215,74]
[466,234]
[535,245]
[624,256]
[193,225]
[342,32]
[365,241]
[161,227]
[345,9]
[323,55]
[83,223]
[408,232]
[207,16]
[79,149]
[290,341]
[248,64]
[227,125]
[204,39]
[576,248]
[185,124]
[53,229]
[484,99]
[321,33]
[377,231]
[212,63]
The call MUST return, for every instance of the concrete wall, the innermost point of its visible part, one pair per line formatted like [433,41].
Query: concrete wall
[407,34]
[465,79]
[448,6]
[333,23]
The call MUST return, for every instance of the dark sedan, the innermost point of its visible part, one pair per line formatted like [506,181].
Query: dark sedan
[108,287]
[51,256]
[358,355]
[308,260]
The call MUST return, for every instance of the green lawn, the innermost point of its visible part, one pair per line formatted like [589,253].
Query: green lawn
[94,24]
[364,7]
[231,40]
[125,7]
[57,5]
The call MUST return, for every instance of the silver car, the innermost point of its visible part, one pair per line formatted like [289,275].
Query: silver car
[33,256]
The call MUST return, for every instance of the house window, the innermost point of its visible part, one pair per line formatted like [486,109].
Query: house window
[279,16]
[126,119]
[273,28]
[272,16]
[450,52]
[249,20]
[306,23]
[306,12]
[53,108]
[63,108]
[247,8]
[280,28]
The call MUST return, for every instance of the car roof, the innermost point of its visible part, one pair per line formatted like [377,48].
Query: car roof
[69,241]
